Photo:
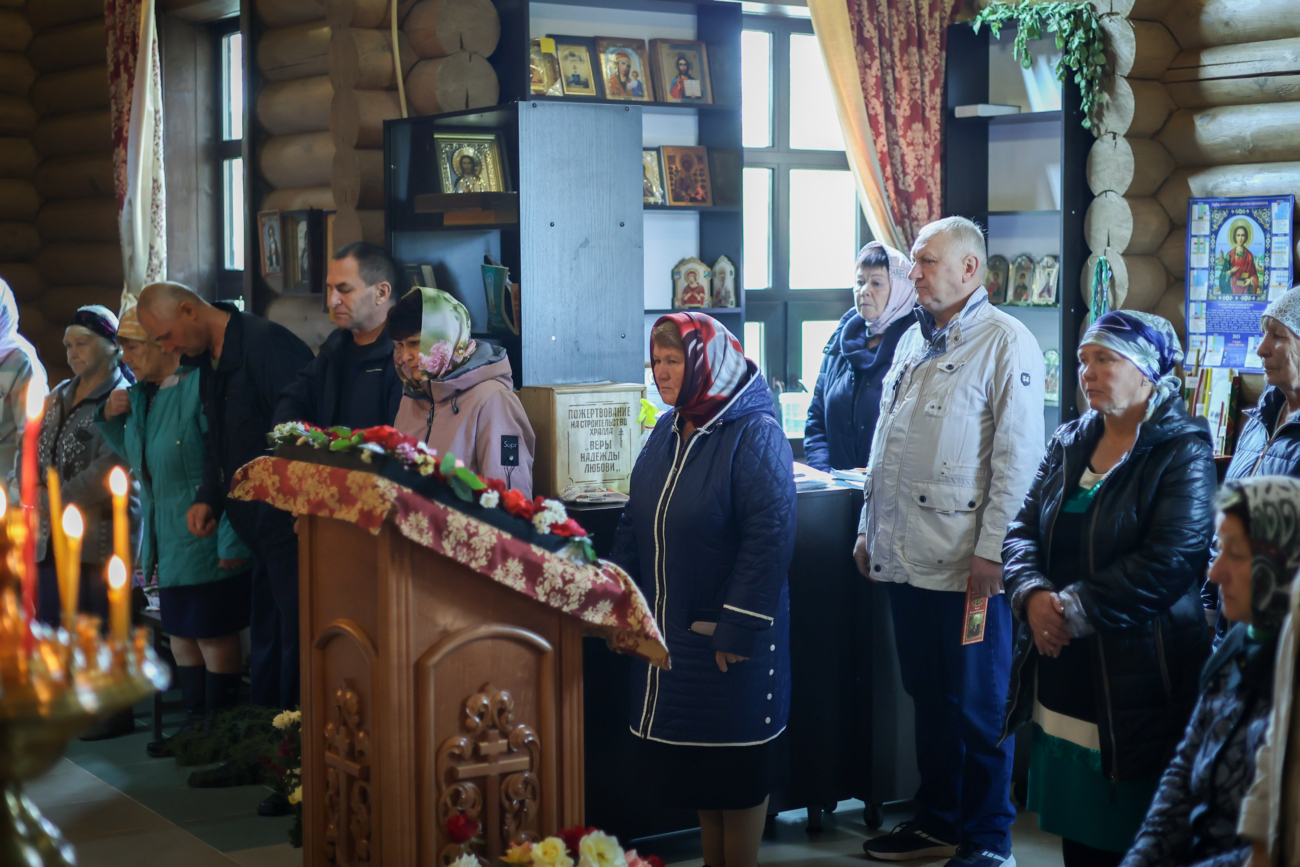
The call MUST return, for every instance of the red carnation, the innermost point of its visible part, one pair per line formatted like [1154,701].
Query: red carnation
[569,528]
[495,485]
[461,828]
[573,836]
[654,861]
[517,504]
[386,436]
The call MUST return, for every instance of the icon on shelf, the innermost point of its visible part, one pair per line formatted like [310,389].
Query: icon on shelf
[626,68]
[652,178]
[724,283]
[995,279]
[692,281]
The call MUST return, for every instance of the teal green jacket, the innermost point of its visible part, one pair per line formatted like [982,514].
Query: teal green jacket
[166,452]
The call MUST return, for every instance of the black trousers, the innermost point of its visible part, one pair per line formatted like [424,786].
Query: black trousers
[1076,854]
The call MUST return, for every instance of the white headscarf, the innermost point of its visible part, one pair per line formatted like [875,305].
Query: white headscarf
[10,339]
[902,294]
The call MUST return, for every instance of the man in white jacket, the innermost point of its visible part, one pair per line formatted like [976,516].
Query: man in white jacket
[959,439]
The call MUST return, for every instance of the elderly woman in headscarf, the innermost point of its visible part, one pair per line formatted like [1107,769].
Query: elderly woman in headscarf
[1102,567]
[846,399]
[459,395]
[1194,816]
[73,446]
[19,367]
[203,582]
[708,535]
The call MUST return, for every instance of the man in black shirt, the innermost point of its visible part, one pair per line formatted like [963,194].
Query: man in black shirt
[352,382]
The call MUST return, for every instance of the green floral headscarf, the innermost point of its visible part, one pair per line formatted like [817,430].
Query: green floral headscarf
[445,343]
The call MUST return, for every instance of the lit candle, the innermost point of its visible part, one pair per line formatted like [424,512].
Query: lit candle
[30,500]
[119,598]
[70,568]
[56,527]
[121,522]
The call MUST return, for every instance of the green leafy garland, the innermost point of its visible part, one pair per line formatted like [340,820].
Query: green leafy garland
[1078,38]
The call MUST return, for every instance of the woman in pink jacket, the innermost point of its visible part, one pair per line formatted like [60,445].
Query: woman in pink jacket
[459,396]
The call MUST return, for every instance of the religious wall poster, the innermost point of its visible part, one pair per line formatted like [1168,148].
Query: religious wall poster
[271,244]
[578,74]
[686,175]
[544,68]
[681,70]
[1047,272]
[652,177]
[1238,259]
[471,163]
[625,68]
[1021,288]
[996,273]
[692,282]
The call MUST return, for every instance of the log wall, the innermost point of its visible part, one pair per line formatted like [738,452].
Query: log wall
[1203,98]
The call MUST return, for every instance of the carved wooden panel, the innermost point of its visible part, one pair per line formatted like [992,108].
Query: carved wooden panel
[347,782]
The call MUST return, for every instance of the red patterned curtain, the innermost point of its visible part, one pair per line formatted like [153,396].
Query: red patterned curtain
[899,47]
[135,92]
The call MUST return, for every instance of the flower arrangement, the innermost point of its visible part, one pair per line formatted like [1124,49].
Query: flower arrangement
[547,516]
[286,767]
[572,847]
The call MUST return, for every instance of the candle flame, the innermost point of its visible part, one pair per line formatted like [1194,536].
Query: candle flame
[116,573]
[35,401]
[117,482]
[4,502]
[72,523]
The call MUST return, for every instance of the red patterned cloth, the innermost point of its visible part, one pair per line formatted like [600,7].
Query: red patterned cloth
[601,595]
[715,366]
[901,58]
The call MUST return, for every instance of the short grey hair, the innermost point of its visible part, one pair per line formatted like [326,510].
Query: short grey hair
[965,235]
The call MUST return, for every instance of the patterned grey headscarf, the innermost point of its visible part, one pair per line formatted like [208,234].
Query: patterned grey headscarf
[1285,310]
[1272,506]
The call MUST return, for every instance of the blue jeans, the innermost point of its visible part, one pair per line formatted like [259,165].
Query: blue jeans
[960,696]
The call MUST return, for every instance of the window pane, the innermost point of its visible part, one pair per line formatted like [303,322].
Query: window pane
[815,334]
[823,228]
[757,194]
[814,123]
[755,350]
[232,200]
[232,86]
[756,88]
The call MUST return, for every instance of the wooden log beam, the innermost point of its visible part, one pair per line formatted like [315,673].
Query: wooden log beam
[16,73]
[1173,252]
[33,325]
[84,176]
[1275,57]
[18,158]
[15,30]
[80,264]
[1133,226]
[1139,281]
[294,199]
[282,13]
[301,160]
[1197,23]
[17,117]
[1130,167]
[58,304]
[18,241]
[23,278]
[363,59]
[78,220]
[1233,134]
[80,89]
[1145,10]
[70,45]
[1137,49]
[19,200]
[1136,108]
[1259,179]
[358,178]
[357,116]
[52,13]
[298,51]
[301,105]
[452,83]
[1235,91]
[438,28]
[81,132]
[1173,306]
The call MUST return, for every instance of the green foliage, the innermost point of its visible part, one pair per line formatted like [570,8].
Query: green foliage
[1078,38]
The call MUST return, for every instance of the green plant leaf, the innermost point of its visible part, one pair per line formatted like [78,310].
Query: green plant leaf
[471,480]
[460,489]
[448,464]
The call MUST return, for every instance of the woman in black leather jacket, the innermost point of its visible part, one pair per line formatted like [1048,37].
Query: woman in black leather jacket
[1102,566]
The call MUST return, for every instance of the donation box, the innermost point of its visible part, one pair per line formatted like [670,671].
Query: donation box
[586,434]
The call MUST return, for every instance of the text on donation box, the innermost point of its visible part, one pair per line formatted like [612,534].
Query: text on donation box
[600,441]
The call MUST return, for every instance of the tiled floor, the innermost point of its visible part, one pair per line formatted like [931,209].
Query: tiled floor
[119,807]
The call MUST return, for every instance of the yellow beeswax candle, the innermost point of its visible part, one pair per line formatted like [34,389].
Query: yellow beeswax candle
[70,568]
[121,522]
[119,600]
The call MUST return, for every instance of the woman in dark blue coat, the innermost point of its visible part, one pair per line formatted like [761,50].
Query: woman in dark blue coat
[708,535]
[846,400]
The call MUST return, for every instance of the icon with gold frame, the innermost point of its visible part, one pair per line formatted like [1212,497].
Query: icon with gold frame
[681,70]
[692,280]
[652,177]
[544,70]
[996,274]
[471,163]
[625,68]
[1020,290]
[686,175]
[576,70]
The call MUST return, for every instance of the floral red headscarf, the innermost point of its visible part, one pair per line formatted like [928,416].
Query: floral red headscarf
[715,366]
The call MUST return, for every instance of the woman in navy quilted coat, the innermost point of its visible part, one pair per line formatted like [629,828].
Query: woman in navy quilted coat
[708,535]
[1194,816]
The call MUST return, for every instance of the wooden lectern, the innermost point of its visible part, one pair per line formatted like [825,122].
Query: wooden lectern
[432,683]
